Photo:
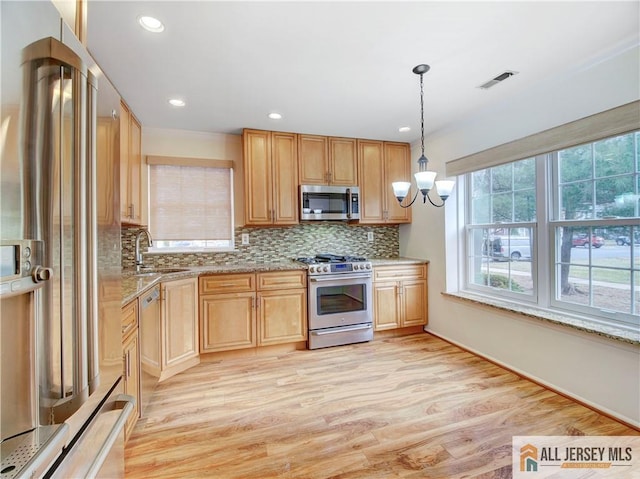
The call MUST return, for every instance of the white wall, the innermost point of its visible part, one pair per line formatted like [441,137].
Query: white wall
[601,372]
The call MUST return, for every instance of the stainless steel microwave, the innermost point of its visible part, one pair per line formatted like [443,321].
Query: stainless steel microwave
[333,203]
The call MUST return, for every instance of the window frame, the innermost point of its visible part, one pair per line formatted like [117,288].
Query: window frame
[546,246]
[197,163]
[530,299]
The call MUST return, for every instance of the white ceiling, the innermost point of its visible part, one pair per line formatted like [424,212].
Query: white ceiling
[344,68]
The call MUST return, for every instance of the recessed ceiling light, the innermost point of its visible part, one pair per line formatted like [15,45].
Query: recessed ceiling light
[151,24]
[404,129]
[275,116]
[177,102]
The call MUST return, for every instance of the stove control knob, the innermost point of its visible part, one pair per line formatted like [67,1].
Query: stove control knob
[326,269]
[368,265]
[312,269]
[356,267]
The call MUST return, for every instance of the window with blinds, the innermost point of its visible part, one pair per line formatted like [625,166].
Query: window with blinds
[560,229]
[190,204]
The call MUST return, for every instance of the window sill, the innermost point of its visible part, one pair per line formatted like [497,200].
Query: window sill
[152,251]
[618,333]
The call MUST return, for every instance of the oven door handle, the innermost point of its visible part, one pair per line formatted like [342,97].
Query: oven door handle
[345,329]
[340,277]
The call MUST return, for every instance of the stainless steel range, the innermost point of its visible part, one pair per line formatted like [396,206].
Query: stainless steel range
[340,300]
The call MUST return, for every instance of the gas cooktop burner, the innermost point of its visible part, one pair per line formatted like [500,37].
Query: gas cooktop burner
[331,258]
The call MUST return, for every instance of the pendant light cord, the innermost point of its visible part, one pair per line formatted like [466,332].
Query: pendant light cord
[422,112]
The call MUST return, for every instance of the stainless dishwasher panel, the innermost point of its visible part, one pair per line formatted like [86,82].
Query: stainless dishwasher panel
[150,357]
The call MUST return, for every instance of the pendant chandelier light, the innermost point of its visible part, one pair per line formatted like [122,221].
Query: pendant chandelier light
[424,179]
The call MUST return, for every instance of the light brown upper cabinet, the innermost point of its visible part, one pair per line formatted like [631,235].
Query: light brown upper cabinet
[380,164]
[270,177]
[130,167]
[327,160]
[107,152]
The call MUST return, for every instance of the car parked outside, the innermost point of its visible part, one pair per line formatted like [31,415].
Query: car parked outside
[584,240]
[623,240]
[503,248]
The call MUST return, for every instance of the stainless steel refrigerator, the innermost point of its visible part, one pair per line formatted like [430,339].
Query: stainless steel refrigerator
[61,364]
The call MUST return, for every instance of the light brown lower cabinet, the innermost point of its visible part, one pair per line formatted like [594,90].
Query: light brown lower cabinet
[281,316]
[179,301]
[247,310]
[399,296]
[228,321]
[131,359]
[172,346]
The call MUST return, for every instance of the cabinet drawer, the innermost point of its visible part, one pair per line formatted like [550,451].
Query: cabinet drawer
[282,280]
[129,318]
[222,283]
[400,272]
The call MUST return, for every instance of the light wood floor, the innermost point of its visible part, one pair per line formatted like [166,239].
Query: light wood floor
[409,407]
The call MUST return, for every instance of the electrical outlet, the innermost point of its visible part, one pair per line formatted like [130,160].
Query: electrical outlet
[245,238]
[370,236]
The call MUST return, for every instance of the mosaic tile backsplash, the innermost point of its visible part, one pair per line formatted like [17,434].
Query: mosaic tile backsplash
[278,244]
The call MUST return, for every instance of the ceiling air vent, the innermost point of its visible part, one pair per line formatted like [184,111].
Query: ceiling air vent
[500,78]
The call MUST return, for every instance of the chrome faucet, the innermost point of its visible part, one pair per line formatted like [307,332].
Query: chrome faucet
[139,263]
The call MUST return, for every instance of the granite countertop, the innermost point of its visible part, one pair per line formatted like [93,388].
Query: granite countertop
[135,285]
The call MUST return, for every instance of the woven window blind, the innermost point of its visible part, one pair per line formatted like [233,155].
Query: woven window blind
[189,202]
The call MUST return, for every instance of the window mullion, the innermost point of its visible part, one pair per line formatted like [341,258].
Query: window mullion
[545,249]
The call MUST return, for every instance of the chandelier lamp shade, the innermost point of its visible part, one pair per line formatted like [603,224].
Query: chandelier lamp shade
[425,179]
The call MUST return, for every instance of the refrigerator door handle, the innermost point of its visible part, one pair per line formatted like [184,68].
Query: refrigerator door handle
[125,403]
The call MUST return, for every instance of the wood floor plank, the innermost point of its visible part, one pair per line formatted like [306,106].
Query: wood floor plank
[402,407]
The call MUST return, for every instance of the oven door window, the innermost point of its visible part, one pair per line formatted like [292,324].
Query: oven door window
[341,299]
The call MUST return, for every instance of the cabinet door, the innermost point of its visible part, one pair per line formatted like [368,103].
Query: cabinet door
[135,170]
[124,162]
[130,167]
[386,307]
[276,280]
[343,161]
[132,379]
[414,302]
[228,321]
[314,164]
[179,321]
[284,164]
[371,180]
[257,177]
[282,316]
[397,168]
[228,283]
[129,318]
[106,170]
[399,272]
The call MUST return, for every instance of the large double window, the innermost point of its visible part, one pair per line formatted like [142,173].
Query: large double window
[560,230]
